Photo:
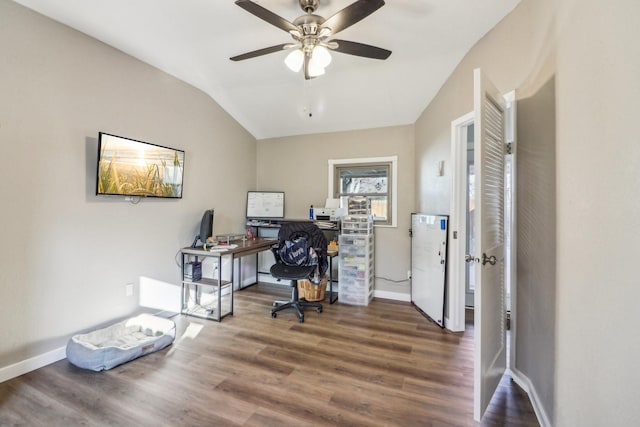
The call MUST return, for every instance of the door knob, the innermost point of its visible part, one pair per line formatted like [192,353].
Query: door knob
[491,260]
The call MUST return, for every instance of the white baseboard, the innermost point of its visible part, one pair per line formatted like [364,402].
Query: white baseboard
[524,383]
[397,296]
[28,365]
[453,326]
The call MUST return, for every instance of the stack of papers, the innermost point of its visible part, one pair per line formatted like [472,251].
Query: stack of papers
[326,224]
[221,248]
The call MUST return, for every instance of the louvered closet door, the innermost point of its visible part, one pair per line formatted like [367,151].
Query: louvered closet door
[490,312]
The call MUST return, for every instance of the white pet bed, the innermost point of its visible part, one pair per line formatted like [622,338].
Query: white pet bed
[119,343]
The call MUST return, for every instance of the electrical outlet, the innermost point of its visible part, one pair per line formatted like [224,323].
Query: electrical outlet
[129,289]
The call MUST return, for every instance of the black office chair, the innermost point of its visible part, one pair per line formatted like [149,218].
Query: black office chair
[290,265]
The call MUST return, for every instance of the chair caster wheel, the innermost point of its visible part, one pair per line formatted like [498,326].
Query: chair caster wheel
[275,304]
[301,320]
[274,314]
[319,310]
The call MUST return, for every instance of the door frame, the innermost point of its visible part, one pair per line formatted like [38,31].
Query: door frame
[511,137]
[455,321]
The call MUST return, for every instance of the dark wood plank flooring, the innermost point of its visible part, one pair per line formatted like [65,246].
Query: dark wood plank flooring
[381,365]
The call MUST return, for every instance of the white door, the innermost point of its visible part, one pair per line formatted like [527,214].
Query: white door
[428,264]
[490,316]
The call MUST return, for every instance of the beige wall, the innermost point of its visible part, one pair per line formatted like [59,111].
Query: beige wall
[299,166]
[598,177]
[66,254]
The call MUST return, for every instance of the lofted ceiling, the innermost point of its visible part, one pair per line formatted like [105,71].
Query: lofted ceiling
[194,39]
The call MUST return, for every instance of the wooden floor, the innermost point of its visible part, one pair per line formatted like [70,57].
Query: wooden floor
[381,365]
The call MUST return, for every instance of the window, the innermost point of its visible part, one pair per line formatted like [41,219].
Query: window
[374,178]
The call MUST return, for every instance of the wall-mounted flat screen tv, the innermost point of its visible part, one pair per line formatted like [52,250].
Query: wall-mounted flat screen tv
[265,204]
[127,167]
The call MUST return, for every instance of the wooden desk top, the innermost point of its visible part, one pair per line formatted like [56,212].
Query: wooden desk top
[243,248]
[251,246]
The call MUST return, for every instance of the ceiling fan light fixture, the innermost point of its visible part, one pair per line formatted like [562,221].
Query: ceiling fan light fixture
[294,60]
[321,56]
[315,69]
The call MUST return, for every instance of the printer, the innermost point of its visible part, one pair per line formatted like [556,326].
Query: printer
[324,214]
[331,211]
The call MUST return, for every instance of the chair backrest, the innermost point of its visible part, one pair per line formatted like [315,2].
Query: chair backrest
[289,231]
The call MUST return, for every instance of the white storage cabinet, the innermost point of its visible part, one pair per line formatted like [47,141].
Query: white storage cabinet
[355,262]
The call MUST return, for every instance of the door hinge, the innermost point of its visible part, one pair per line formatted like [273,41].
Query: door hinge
[509,147]
[508,321]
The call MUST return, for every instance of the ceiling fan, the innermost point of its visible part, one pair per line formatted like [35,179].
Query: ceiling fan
[311,34]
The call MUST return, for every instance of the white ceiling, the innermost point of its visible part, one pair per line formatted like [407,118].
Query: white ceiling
[194,39]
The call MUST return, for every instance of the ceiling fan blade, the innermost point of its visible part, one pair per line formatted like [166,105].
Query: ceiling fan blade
[361,49]
[261,52]
[351,14]
[266,15]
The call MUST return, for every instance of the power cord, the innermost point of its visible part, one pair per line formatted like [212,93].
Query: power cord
[391,280]
[177,259]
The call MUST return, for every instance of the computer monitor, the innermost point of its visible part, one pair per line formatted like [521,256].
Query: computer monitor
[206,228]
[265,204]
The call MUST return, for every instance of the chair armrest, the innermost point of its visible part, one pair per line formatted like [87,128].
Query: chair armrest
[275,250]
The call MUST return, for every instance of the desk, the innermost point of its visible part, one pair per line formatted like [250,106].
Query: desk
[250,247]
[221,291]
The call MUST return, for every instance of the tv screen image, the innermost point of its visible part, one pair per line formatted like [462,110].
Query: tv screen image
[127,167]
